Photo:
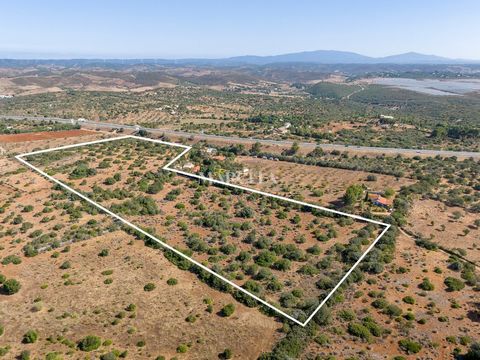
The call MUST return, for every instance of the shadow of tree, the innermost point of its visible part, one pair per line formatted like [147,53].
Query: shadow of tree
[474,314]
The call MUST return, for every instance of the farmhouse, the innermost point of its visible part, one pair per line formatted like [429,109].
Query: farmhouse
[379,200]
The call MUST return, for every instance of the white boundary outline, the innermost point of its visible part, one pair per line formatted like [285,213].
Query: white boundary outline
[169,247]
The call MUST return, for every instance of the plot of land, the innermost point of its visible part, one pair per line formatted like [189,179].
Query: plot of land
[290,179]
[292,256]
[49,300]
[450,227]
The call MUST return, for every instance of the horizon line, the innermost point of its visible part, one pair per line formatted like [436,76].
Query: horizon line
[43,56]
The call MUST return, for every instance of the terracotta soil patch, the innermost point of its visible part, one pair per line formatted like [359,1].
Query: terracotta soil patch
[42,135]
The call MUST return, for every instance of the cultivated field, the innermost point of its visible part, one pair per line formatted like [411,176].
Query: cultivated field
[288,179]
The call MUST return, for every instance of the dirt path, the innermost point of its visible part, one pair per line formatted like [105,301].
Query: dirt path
[353,93]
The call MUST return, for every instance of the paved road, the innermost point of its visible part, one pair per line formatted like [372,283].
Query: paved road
[233,139]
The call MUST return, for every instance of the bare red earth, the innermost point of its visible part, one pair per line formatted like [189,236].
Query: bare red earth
[42,135]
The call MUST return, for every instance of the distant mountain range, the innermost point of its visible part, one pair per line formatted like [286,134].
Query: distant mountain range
[345,57]
[305,57]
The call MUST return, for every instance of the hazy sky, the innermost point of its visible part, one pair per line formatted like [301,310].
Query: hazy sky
[208,28]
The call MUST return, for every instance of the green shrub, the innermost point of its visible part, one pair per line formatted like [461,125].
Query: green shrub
[228,310]
[90,343]
[357,329]
[182,348]
[66,265]
[409,346]
[409,300]
[11,259]
[322,340]
[453,284]
[30,337]
[107,342]
[149,287]
[11,286]
[372,326]
[172,281]
[24,355]
[4,350]
[109,356]
[347,315]
[191,318]
[227,354]
[393,310]
[265,258]
[427,285]
[53,356]
[380,303]
[282,265]
[131,307]
[103,253]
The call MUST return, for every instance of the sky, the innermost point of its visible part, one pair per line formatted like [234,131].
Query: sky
[223,28]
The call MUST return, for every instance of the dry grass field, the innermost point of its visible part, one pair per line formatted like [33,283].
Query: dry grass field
[88,271]
[80,301]
[70,292]
[449,226]
[437,319]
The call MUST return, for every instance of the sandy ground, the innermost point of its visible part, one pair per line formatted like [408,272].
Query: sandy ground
[432,218]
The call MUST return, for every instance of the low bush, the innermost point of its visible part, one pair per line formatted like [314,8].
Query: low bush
[359,330]
[30,337]
[453,284]
[90,343]
[409,346]
[172,281]
[11,286]
[228,310]
[149,287]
